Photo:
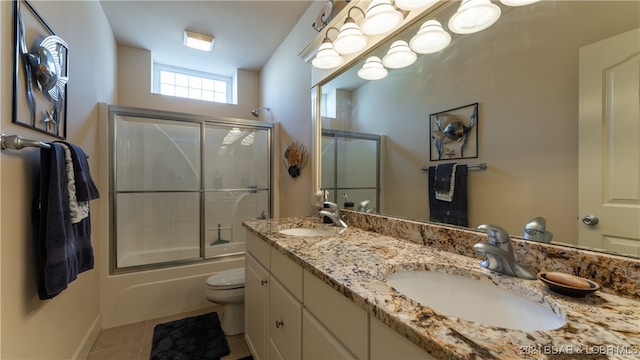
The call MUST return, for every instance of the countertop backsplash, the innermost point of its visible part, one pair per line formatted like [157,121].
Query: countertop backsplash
[617,275]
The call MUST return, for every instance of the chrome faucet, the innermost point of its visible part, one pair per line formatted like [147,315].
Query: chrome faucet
[536,230]
[499,253]
[363,206]
[334,214]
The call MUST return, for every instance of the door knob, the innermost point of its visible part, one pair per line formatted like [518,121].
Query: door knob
[590,219]
[279,323]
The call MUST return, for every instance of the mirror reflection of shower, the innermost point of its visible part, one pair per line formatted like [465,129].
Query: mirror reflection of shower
[256,112]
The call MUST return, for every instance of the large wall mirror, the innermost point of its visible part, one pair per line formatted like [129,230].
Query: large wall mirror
[529,74]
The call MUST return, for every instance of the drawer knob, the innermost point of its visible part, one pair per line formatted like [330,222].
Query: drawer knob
[279,324]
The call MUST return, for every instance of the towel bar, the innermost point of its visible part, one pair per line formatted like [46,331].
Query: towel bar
[17,142]
[481,166]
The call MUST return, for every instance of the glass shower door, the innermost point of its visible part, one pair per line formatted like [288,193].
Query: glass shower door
[157,191]
[236,185]
[181,186]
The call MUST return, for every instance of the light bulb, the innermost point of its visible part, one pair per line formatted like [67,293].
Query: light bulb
[399,55]
[474,16]
[414,4]
[430,39]
[518,2]
[372,69]
[381,17]
[350,40]
[327,58]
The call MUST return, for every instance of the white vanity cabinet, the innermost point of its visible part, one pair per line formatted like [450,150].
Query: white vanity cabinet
[344,321]
[256,307]
[273,302]
[290,313]
[388,344]
[285,323]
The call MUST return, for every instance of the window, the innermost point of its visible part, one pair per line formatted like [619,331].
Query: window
[186,83]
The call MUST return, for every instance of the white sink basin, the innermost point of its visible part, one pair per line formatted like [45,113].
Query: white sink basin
[473,300]
[307,232]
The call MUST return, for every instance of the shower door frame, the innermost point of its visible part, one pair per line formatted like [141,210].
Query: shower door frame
[203,121]
[340,134]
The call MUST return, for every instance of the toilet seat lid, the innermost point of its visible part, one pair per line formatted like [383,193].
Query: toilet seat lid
[227,278]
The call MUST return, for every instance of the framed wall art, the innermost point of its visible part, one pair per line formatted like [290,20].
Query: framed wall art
[40,73]
[454,133]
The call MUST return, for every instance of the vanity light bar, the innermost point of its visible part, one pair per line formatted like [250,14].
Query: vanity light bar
[382,16]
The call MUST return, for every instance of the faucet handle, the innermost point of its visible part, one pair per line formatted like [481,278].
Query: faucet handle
[496,234]
[332,206]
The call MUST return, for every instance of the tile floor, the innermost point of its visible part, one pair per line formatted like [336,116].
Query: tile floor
[133,341]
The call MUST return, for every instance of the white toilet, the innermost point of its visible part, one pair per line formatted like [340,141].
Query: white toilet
[226,288]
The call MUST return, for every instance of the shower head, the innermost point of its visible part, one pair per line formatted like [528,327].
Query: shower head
[256,112]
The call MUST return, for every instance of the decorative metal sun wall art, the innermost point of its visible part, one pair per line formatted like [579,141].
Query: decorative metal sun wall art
[454,133]
[40,73]
[295,158]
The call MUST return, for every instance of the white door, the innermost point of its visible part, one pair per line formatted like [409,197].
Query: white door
[609,144]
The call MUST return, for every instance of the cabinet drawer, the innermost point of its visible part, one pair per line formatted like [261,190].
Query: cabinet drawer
[256,307]
[259,248]
[287,272]
[388,344]
[318,343]
[285,323]
[344,319]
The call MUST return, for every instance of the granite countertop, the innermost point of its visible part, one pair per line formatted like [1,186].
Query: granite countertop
[355,263]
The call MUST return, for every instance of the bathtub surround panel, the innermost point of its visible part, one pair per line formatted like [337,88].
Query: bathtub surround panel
[355,263]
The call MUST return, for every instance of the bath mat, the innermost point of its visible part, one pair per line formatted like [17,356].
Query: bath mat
[197,337]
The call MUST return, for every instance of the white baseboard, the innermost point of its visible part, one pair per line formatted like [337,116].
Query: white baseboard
[89,338]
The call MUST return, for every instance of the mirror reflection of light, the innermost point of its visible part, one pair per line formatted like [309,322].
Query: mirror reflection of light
[248,140]
[372,69]
[474,16]
[430,39]
[399,55]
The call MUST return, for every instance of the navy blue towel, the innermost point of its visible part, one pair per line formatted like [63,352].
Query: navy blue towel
[85,188]
[442,180]
[63,249]
[454,212]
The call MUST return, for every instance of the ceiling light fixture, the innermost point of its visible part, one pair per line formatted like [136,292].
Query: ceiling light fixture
[430,39]
[327,57]
[399,55]
[474,16]
[198,41]
[518,2]
[372,69]
[414,4]
[381,17]
[350,40]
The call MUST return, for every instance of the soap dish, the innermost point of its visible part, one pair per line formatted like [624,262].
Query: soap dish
[569,285]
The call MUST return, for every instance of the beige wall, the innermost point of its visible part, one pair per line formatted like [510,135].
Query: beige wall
[134,89]
[286,89]
[60,327]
